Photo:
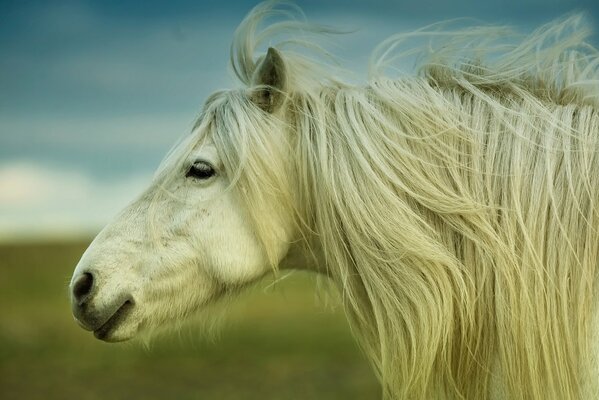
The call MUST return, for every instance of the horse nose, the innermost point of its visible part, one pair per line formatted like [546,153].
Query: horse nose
[82,288]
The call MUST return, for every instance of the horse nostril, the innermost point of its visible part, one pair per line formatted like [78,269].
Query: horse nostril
[82,287]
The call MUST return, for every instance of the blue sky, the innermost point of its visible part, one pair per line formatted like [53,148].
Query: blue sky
[94,93]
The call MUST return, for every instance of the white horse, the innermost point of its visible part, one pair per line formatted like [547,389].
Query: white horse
[456,210]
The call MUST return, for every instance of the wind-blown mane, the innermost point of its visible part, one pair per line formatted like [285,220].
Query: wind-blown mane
[456,208]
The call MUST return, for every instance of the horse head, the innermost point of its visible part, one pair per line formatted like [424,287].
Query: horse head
[191,237]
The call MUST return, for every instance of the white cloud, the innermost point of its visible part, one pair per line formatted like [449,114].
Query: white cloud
[37,200]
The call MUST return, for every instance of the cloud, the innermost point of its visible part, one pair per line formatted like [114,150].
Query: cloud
[37,200]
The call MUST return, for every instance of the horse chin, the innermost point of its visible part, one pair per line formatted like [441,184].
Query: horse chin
[119,326]
[112,337]
[116,334]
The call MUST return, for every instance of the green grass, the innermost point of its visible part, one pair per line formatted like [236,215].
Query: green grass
[279,343]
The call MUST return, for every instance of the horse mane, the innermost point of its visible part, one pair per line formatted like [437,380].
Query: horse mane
[455,207]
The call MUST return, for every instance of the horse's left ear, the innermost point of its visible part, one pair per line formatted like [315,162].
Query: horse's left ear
[270,79]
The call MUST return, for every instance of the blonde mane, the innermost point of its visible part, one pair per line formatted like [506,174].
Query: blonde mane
[455,208]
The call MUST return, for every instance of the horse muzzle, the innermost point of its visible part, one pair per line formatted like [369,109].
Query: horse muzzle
[103,317]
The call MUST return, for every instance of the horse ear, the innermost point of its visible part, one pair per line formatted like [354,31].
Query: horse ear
[270,79]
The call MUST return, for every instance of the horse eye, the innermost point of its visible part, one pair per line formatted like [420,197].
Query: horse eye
[200,170]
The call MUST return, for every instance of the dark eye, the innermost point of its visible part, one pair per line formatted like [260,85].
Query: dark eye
[200,170]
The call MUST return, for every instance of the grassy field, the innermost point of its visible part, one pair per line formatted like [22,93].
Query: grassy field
[280,342]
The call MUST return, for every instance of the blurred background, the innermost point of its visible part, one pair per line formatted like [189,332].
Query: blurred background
[92,95]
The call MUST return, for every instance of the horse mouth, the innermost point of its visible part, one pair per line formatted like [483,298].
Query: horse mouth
[104,331]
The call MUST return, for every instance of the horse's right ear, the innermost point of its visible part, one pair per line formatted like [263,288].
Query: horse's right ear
[270,79]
